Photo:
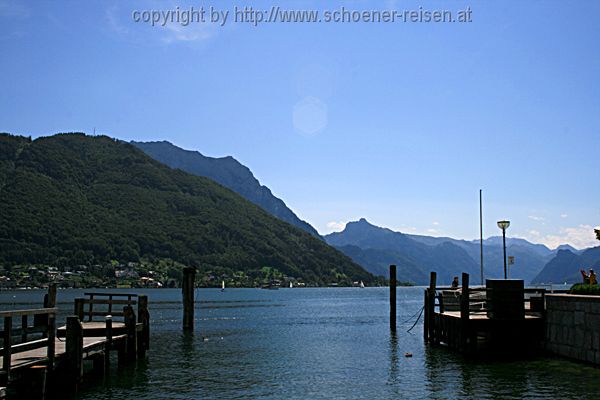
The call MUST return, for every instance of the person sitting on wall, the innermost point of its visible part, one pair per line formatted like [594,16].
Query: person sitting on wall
[585,277]
[592,277]
[454,283]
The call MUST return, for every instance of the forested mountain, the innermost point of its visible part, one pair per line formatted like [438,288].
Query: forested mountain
[228,172]
[75,199]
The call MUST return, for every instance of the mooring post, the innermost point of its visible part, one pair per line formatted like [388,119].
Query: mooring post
[7,353]
[74,348]
[78,311]
[189,276]
[130,328]
[108,346]
[393,298]
[426,316]
[49,302]
[464,312]
[144,319]
[431,306]
[51,340]
[50,297]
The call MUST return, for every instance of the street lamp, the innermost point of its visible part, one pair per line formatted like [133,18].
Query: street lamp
[504,225]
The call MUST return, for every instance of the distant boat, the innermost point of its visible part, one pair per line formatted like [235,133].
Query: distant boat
[291,285]
[270,286]
[222,286]
[362,285]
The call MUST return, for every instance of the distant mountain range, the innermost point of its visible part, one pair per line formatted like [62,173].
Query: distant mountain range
[375,248]
[372,247]
[73,199]
[228,172]
[529,258]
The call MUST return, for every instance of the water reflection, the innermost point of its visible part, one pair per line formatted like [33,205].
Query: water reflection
[450,375]
[394,360]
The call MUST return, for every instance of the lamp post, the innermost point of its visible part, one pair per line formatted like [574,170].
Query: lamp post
[504,225]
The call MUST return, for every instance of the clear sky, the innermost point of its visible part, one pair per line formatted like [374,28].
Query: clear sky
[401,122]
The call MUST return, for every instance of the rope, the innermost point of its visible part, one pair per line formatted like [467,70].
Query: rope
[415,324]
[414,315]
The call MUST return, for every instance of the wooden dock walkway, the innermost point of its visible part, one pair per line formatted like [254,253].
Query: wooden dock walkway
[502,317]
[37,347]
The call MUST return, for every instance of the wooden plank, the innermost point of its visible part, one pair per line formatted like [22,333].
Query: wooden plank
[34,344]
[110,294]
[104,314]
[109,301]
[35,311]
[39,355]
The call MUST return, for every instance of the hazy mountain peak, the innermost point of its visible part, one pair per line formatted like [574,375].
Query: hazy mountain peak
[228,172]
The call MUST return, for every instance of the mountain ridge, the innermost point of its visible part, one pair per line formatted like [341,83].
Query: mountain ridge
[566,266]
[530,258]
[228,172]
[445,258]
[76,199]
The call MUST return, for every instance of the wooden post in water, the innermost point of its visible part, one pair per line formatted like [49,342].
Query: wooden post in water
[79,308]
[464,312]
[49,302]
[431,306]
[109,337]
[51,340]
[393,298]
[50,297]
[426,315]
[130,328]
[144,319]
[189,276]
[74,348]
[7,353]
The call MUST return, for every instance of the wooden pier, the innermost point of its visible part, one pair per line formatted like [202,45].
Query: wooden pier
[37,358]
[501,318]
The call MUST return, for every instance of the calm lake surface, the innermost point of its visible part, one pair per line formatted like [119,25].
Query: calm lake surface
[310,344]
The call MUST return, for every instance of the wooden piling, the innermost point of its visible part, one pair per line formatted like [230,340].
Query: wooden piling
[74,348]
[130,328]
[109,337]
[51,340]
[464,312]
[426,315]
[393,298]
[7,353]
[144,319]
[429,320]
[78,308]
[189,276]
[50,297]
[49,302]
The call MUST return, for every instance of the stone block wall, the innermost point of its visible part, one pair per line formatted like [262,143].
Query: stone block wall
[573,326]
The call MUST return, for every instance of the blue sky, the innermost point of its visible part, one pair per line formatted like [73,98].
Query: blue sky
[401,123]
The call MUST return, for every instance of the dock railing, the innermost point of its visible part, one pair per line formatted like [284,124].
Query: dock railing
[110,305]
[29,337]
[450,312]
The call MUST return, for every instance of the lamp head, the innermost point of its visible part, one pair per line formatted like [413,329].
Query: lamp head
[503,224]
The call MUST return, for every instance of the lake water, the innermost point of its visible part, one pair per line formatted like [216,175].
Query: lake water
[311,344]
